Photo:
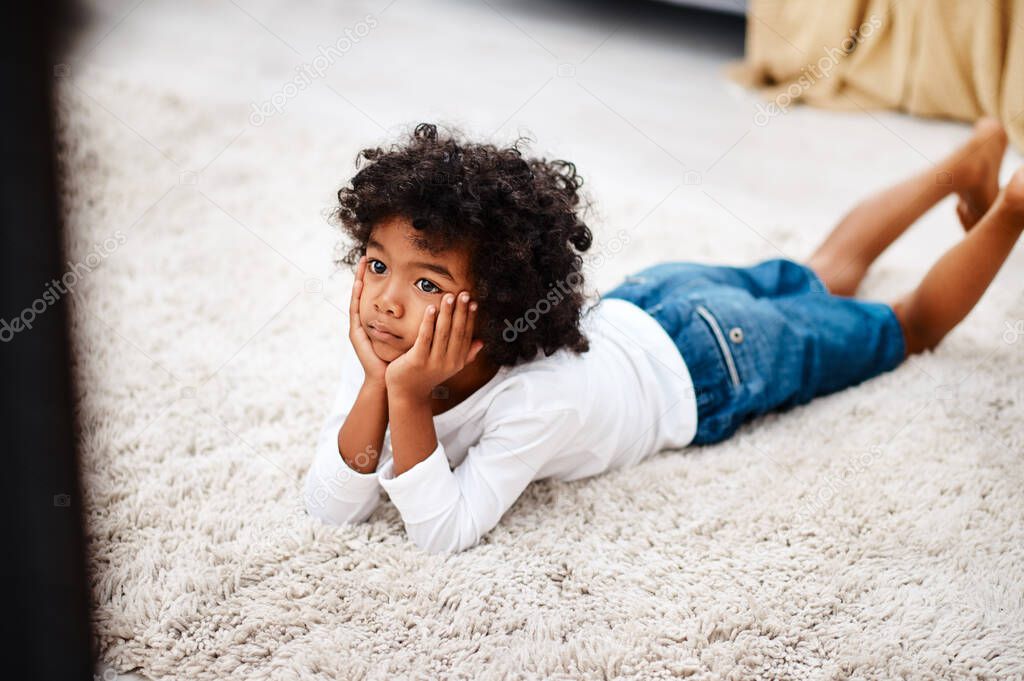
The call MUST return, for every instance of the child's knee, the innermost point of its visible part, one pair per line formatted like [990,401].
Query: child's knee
[916,338]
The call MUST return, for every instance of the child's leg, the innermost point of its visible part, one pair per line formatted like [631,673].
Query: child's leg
[972,171]
[957,280]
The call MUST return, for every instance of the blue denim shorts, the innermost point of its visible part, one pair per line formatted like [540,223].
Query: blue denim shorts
[765,337]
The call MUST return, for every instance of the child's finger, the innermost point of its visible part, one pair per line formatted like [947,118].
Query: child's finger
[470,326]
[459,343]
[471,320]
[443,329]
[357,290]
[477,346]
[426,333]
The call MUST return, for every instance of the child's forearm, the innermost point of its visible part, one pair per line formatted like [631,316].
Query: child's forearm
[415,438]
[361,437]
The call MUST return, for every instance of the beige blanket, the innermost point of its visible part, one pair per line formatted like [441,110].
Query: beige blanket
[959,59]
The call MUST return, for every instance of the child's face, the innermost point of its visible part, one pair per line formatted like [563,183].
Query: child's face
[401,280]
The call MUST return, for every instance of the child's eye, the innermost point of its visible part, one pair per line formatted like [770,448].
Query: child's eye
[433,288]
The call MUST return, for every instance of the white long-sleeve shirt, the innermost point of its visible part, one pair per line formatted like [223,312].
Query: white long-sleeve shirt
[565,416]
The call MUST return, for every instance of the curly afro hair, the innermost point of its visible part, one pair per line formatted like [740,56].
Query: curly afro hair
[518,217]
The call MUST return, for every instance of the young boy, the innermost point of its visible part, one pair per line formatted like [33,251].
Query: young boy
[468,266]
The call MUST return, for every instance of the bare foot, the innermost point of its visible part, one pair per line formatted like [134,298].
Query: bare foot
[975,170]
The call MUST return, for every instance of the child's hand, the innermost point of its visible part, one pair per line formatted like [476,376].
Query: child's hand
[373,366]
[442,348]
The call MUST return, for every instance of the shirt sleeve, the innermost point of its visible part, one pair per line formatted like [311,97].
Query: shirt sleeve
[332,491]
[445,510]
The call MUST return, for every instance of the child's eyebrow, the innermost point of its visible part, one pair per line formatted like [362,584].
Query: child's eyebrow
[433,267]
[440,269]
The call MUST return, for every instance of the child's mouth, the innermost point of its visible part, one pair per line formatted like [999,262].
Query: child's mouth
[382,335]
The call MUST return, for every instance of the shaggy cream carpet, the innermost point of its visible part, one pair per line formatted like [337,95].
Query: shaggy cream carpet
[875,533]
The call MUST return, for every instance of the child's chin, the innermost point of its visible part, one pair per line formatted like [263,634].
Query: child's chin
[386,352]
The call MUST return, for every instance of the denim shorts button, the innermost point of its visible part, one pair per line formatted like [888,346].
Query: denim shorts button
[736,334]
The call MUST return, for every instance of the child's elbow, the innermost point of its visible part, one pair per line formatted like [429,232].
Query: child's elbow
[439,542]
[327,509]
[315,508]
[336,516]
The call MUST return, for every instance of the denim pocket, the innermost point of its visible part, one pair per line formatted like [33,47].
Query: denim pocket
[720,340]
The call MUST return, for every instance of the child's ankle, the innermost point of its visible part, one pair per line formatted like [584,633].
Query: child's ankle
[1013,192]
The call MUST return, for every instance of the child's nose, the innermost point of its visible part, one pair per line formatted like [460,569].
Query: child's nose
[387,301]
